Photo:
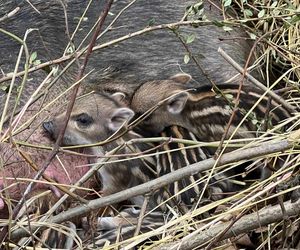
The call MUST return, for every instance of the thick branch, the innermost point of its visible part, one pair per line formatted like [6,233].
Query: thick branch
[247,223]
[149,187]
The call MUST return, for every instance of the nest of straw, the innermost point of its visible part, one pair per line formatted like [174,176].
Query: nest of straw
[260,216]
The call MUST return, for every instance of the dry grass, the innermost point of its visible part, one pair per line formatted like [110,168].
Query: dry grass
[276,26]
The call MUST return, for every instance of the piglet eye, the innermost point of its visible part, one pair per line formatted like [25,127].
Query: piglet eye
[84,119]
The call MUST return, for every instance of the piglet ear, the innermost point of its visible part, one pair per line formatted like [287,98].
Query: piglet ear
[118,96]
[120,117]
[177,103]
[181,78]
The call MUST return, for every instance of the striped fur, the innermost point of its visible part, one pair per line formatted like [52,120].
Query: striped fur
[89,124]
[122,227]
[205,111]
[173,156]
[178,156]
[210,115]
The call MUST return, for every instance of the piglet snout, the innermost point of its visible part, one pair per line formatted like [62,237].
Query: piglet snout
[48,126]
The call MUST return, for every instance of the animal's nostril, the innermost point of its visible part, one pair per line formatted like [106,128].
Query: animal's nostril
[48,126]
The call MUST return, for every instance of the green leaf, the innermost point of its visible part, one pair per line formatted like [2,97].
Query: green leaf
[295,19]
[248,12]
[276,12]
[37,62]
[261,13]
[254,121]
[199,6]
[33,56]
[186,58]
[190,38]
[274,4]
[227,3]
[4,88]
[71,48]
[55,71]
[229,96]
[253,36]
[217,23]
[151,22]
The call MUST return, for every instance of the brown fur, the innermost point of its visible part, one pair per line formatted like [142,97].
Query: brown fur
[104,115]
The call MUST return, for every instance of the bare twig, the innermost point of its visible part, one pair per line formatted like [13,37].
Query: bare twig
[142,213]
[82,180]
[195,59]
[256,82]
[10,14]
[104,45]
[285,220]
[243,71]
[219,150]
[25,49]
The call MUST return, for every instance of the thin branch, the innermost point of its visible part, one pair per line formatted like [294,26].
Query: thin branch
[10,14]
[219,150]
[79,183]
[256,82]
[142,214]
[25,49]
[222,233]
[206,75]
[104,45]
[243,72]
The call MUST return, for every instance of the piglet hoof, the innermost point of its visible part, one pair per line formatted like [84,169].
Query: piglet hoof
[48,127]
